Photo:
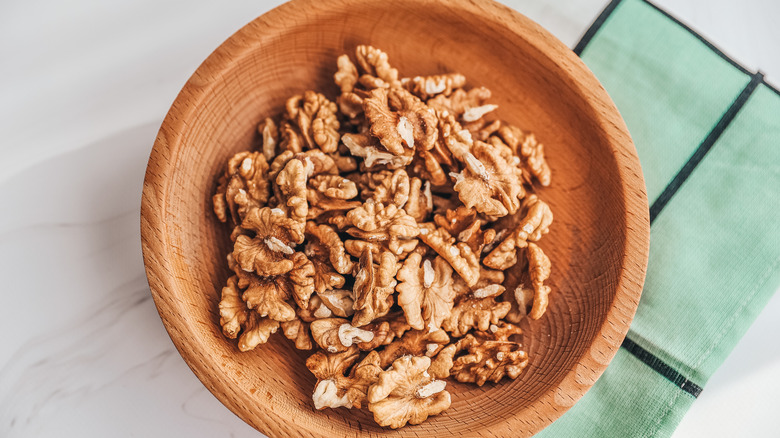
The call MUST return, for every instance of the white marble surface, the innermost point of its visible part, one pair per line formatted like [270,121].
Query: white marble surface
[85,85]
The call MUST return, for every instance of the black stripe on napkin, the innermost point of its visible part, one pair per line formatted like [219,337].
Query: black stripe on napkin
[629,345]
[704,147]
[661,367]
[591,32]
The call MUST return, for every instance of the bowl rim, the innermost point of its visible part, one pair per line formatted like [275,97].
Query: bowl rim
[608,337]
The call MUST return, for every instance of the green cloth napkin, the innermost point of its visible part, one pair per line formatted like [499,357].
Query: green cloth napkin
[708,136]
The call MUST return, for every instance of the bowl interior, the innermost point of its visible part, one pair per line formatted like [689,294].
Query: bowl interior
[597,243]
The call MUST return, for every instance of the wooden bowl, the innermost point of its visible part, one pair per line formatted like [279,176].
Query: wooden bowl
[598,243]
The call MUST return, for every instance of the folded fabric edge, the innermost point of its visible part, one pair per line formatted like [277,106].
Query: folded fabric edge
[705,146]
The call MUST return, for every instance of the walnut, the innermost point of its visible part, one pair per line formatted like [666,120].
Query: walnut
[291,183]
[406,393]
[356,248]
[385,330]
[377,72]
[325,238]
[344,163]
[269,296]
[534,224]
[279,232]
[457,220]
[500,332]
[393,189]
[426,87]
[475,113]
[452,147]
[386,187]
[337,334]
[400,120]
[298,332]
[460,287]
[476,238]
[488,360]
[492,290]
[243,186]
[520,296]
[420,202]
[316,119]
[539,269]
[517,291]
[373,222]
[488,183]
[487,279]
[321,206]
[265,257]
[291,139]
[452,139]
[332,383]
[442,363]
[277,165]
[444,360]
[464,223]
[316,162]
[516,164]
[334,388]
[425,291]
[368,147]
[339,301]
[474,128]
[415,343]
[339,220]
[457,254]
[430,166]
[257,331]
[366,373]
[315,309]
[349,335]
[368,182]
[486,131]
[347,76]
[470,313]
[334,186]
[530,150]
[350,104]
[326,277]
[374,286]
[270,134]
[403,249]
[460,101]
[232,309]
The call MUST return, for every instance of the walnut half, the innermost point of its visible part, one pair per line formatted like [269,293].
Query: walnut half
[406,393]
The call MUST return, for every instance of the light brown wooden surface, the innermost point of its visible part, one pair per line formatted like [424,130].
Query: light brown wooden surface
[598,243]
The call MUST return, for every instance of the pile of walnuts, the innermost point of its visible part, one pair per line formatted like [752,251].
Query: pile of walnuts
[396,229]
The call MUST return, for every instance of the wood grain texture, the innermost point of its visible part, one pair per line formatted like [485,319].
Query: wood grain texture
[598,244]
